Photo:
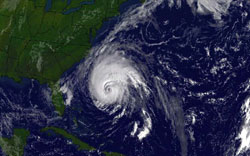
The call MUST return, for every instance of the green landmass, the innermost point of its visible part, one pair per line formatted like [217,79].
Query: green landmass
[43,45]
[81,145]
[57,98]
[14,146]
[112,154]
[75,140]
[143,1]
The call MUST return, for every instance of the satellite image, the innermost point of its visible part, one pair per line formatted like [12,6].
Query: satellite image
[124,77]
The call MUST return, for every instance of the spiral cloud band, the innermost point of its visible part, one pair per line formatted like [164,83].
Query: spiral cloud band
[110,80]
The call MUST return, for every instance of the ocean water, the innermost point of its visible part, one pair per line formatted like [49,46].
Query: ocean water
[164,78]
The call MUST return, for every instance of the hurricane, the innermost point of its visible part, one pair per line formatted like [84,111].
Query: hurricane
[157,78]
[161,78]
[110,80]
[118,87]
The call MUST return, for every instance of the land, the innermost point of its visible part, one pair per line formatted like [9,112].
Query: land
[81,145]
[42,45]
[112,154]
[57,98]
[14,146]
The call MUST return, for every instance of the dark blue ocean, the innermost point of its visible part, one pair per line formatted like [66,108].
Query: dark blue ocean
[197,71]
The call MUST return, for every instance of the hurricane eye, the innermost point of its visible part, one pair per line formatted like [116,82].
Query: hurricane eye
[111,78]
[108,89]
